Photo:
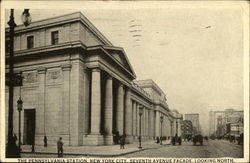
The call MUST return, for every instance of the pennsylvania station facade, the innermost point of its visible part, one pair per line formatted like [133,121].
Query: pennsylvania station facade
[78,86]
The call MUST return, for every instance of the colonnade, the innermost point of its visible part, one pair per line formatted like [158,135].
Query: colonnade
[147,121]
[122,116]
[122,110]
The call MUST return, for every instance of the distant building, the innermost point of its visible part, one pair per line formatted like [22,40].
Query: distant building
[228,122]
[194,118]
[186,128]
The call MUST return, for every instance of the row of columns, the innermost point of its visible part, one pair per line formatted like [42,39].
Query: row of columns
[147,121]
[127,112]
[123,112]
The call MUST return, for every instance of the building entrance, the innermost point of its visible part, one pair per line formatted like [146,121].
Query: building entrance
[29,126]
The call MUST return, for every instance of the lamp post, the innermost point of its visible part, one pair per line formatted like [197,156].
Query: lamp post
[140,114]
[161,128]
[11,150]
[177,128]
[19,108]
[171,129]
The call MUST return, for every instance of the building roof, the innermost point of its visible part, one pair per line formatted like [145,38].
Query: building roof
[63,19]
[79,17]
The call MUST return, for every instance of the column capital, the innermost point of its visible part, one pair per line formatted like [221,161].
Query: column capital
[128,89]
[120,84]
[41,70]
[96,70]
[66,67]
[109,77]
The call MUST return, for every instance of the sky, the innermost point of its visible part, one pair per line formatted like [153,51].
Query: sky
[195,55]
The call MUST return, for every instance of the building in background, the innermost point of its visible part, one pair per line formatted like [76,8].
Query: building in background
[227,122]
[194,118]
[186,129]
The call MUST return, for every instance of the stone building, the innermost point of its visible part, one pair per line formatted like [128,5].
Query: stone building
[187,128]
[229,121]
[194,118]
[79,86]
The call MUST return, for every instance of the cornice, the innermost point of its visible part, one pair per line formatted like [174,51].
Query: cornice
[68,45]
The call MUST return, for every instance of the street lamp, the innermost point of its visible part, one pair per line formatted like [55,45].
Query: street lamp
[171,129]
[140,114]
[19,108]
[161,128]
[11,150]
[177,128]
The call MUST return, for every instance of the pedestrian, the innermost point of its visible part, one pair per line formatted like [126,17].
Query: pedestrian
[45,141]
[122,142]
[157,140]
[60,147]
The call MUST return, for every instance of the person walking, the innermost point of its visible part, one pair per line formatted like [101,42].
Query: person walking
[60,147]
[122,142]
[45,141]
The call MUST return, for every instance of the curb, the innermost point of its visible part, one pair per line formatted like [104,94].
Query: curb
[96,155]
[82,154]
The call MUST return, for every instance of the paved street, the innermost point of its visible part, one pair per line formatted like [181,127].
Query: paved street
[211,149]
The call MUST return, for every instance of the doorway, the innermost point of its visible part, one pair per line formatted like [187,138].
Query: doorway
[29,126]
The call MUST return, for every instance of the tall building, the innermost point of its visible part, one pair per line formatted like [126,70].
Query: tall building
[194,118]
[187,128]
[225,122]
[79,86]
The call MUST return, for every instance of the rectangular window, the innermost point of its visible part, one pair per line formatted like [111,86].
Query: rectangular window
[30,42]
[54,37]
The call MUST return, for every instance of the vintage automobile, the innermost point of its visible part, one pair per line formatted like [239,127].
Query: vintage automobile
[198,138]
[176,139]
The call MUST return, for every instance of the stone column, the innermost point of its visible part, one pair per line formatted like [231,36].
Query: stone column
[120,109]
[95,138]
[150,123]
[157,124]
[66,102]
[40,115]
[137,119]
[128,116]
[164,124]
[147,122]
[108,113]
[171,128]
[96,102]
[134,118]
[143,122]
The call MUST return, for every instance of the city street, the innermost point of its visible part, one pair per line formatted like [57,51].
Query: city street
[210,149]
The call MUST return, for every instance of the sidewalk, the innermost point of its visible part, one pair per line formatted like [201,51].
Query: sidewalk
[102,151]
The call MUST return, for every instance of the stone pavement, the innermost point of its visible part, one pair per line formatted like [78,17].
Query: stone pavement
[102,151]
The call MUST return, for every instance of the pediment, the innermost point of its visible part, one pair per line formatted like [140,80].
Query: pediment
[120,55]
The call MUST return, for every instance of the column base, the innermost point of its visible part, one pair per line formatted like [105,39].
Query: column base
[51,140]
[93,139]
[135,138]
[39,139]
[108,140]
[129,139]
